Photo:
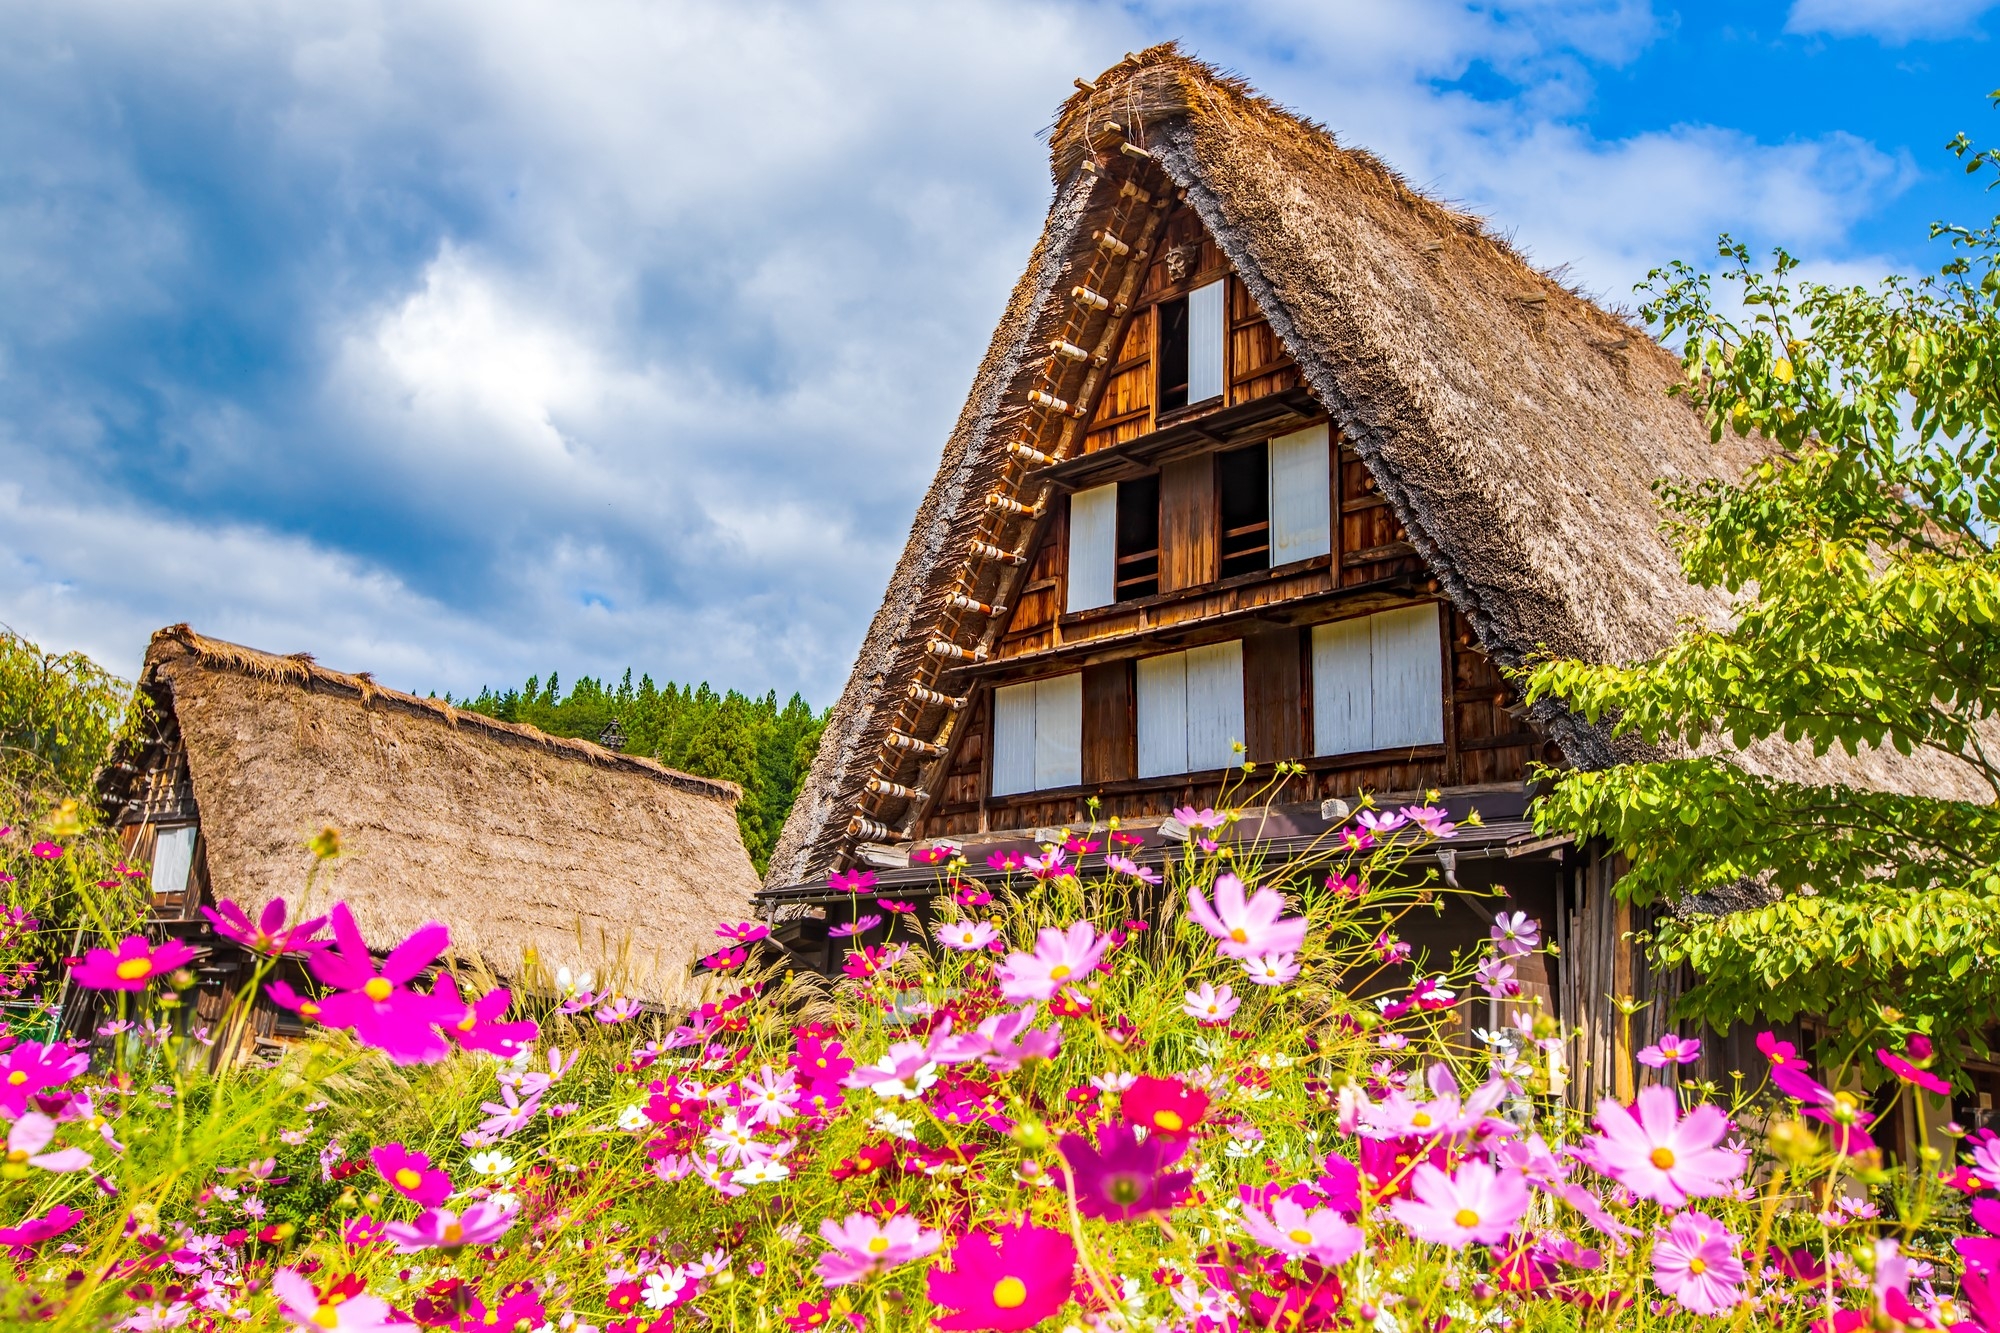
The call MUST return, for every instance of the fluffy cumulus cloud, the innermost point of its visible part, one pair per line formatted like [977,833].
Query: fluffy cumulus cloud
[455,341]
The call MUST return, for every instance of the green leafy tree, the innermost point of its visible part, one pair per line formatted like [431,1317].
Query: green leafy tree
[757,743]
[57,715]
[1861,554]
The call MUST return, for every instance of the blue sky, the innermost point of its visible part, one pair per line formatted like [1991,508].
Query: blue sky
[459,341]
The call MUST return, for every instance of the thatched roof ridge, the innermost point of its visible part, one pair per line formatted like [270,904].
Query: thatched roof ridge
[1515,427]
[300,669]
[538,852]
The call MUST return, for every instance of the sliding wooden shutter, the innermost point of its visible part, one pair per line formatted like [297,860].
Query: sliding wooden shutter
[1206,308]
[1300,509]
[1013,739]
[1108,740]
[1163,715]
[1093,547]
[1214,705]
[1378,682]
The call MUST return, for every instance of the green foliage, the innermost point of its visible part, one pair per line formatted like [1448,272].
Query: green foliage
[1868,617]
[57,715]
[757,743]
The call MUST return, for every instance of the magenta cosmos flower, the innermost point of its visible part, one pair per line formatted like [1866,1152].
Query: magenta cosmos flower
[1246,929]
[1477,1204]
[1163,1105]
[379,1006]
[132,967]
[31,1068]
[442,1229]
[1300,1233]
[268,933]
[1011,1278]
[1909,1073]
[476,1025]
[300,1302]
[863,1247]
[32,1231]
[1060,957]
[1695,1261]
[412,1174]
[1122,1178]
[1658,1154]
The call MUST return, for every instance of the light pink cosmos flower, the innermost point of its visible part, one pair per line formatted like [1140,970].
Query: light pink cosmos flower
[1671,1049]
[965,936]
[770,1096]
[1478,1204]
[1121,864]
[1210,1006]
[511,1117]
[34,1132]
[442,1229]
[1431,820]
[1197,819]
[299,1301]
[1516,933]
[1381,823]
[1658,1154]
[1004,1041]
[1695,1261]
[1060,957]
[1496,977]
[618,1011]
[1271,969]
[863,1247]
[1318,1233]
[905,1070]
[1246,929]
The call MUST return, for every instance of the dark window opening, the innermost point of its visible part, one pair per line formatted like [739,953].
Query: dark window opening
[1243,486]
[1173,317]
[1138,539]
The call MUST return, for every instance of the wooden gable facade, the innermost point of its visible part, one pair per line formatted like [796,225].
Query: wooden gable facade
[1212,579]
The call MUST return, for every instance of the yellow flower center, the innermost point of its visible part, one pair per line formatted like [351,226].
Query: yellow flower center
[877,1244]
[1240,935]
[132,969]
[18,1077]
[407,1178]
[1010,1292]
[1662,1158]
[327,1316]
[378,989]
[1168,1120]
[307,1009]
[16,1156]
[1300,1236]
[453,1233]
[1465,1217]
[1697,1266]
[1421,1120]
[469,1022]
[1056,973]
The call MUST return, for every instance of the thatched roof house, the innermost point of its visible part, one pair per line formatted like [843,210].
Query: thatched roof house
[1506,430]
[526,845]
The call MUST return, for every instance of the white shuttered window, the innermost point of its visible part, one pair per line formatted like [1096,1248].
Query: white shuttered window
[1206,310]
[1301,515]
[1378,682]
[1038,735]
[1093,547]
[1190,709]
[173,859]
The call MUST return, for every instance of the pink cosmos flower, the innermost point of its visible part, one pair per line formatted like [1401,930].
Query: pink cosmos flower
[475,1025]
[1199,819]
[743,932]
[1006,862]
[1300,1233]
[512,1116]
[770,1096]
[32,1133]
[32,1231]
[1381,823]
[1671,1049]
[1060,957]
[1121,1177]
[1478,1204]
[965,936]
[1009,1279]
[132,967]
[378,1006]
[1246,929]
[852,881]
[1516,933]
[1909,1073]
[1121,864]
[1005,1041]
[861,925]
[1052,864]
[900,906]
[1496,977]
[268,935]
[1658,1154]
[1210,1006]
[442,1229]
[618,1011]
[1272,969]
[299,1301]
[46,851]
[863,1247]
[32,1067]
[411,1174]
[1431,820]
[905,1070]
[726,960]
[1695,1261]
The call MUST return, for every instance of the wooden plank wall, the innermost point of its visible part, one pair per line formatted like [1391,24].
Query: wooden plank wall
[1187,523]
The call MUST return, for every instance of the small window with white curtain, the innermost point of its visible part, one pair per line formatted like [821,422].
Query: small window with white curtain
[1038,735]
[1301,495]
[1190,709]
[1378,682]
[173,860]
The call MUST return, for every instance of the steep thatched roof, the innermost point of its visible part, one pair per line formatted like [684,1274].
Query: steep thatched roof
[1514,427]
[517,840]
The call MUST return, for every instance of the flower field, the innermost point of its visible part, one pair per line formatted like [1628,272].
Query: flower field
[1090,1095]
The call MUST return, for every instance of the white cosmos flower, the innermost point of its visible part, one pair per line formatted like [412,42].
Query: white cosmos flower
[761,1173]
[632,1117]
[492,1163]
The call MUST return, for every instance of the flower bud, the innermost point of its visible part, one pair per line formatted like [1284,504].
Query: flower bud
[1793,1141]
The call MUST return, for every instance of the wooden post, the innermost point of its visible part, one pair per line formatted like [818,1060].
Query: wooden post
[1621,990]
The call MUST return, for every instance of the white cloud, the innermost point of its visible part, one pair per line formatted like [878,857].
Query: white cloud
[1891,21]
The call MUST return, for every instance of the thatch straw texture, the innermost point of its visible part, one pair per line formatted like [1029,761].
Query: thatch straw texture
[524,844]
[1514,427]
